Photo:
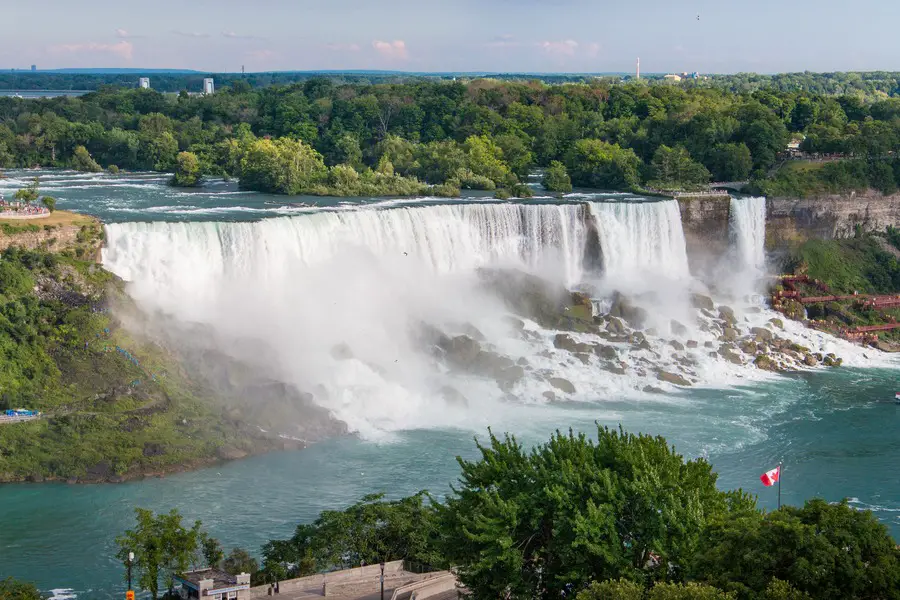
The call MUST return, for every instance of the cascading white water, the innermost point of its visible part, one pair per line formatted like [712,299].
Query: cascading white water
[748,233]
[640,239]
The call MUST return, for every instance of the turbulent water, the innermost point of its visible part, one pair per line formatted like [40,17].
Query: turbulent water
[362,276]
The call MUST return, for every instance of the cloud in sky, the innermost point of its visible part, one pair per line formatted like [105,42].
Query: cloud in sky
[191,34]
[561,48]
[122,33]
[238,36]
[395,50]
[123,49]
[343,47]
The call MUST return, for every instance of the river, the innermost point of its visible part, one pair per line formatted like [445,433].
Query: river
[835,430]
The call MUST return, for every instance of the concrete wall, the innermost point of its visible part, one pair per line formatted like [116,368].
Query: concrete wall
[319,581]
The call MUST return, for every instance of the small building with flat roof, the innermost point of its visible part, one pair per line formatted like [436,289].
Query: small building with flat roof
[214,584]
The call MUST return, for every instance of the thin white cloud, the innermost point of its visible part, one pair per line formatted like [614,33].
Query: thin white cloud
[560,48]
[123,49]
[395,50]
[191,34]
[122,33]
[262,55]
[343,47]
[238,36]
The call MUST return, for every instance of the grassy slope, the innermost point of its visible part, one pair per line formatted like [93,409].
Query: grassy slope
[99,423]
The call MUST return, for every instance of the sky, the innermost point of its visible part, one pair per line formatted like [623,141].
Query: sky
[594,36]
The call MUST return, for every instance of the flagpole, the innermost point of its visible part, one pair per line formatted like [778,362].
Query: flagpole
[779,485]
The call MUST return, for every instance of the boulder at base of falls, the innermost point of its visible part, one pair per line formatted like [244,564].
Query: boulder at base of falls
[649,389]
[729,334]
[762,334]
[777,323]
[528,295]
[676,344]
[453,396]
[563,385]
[549,396]
[764,362]
[509,377]
[672,378]
[625,310]
[490,364]
[462,350]
[692,344]
[730,355]
[565,341]
[702,302]
[678,329]
[606,352]
[726,313]
[810,361]
[616,326]
[832,361]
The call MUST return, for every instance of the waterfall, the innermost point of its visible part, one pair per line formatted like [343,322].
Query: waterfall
[748,233]
[641,238]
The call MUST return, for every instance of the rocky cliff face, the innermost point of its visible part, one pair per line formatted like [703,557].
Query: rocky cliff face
[706,232]
[80,235]
[828,217]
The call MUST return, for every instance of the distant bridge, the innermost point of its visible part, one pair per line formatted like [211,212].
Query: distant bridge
[737,186]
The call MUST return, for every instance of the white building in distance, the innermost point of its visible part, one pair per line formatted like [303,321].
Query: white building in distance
[209,86]
[144,83]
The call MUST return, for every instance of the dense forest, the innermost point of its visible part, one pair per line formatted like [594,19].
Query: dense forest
[331,137]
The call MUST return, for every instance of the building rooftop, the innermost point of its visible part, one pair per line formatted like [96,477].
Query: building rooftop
[220,579]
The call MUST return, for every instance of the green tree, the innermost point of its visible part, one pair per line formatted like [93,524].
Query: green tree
[485,159]
[211,550]
[556,178]
[371,531]
[83,161]
[239,561]
[282,166]
[687,591]
[162,548]
[573,511]
[598,164]
[29,194]
[825,550]
[730,162]
[49,202]
[674,168]
[782,590]
[10,589]
[187,170]
[621,589]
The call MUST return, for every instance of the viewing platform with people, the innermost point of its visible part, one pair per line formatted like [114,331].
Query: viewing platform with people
[21,210]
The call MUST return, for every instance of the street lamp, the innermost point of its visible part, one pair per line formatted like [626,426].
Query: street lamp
[130,594]
[382,580]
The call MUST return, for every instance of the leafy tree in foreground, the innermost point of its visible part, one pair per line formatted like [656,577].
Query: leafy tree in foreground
[371,531]
[10,589]
[162,548]
[531,525]
[49,202]
[825,550]
[556,178]
[239,561]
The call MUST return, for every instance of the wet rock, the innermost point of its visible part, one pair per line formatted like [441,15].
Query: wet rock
[726,313]
[614,368]
[35,478]
[545,353]
[342,352]
[462,350]
[672,378]
[649,389]
[686,361]
[528,295]
[753,310]
[522,362]
[749,347]
[692,344]
[676,344]
[830,361]
[707,313]
[765,362]
[564,341]
[564,385]
[490,363]
[730,355]
[678,329]
[761,333]
[509,377]
[583,357]
[702,302]
[473,332]
[615,325]
[810,361]
[708,345]
[624,309]
[777,323]
[549,396]
[729,334]
[453,396]
[606,352]
[652,331]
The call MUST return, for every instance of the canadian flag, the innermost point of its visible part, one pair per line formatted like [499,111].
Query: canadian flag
[771,477]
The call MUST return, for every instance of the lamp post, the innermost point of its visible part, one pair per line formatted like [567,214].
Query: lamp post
[382,580]
[130,594]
